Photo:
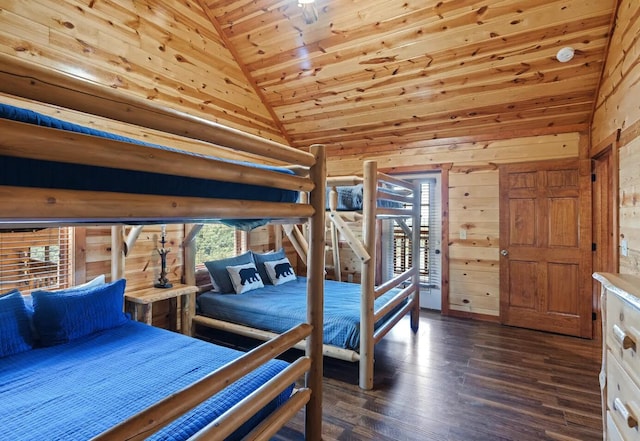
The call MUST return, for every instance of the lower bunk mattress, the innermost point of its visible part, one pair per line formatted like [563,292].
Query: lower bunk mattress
[278,308]
[77,390]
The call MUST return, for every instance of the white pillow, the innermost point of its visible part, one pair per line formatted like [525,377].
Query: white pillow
[280,271]
[97,281]
[244,277]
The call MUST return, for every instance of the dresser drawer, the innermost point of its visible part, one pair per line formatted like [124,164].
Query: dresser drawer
[623,400]
[623,333]
[612,430]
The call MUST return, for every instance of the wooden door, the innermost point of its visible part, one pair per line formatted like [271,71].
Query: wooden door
[545,246]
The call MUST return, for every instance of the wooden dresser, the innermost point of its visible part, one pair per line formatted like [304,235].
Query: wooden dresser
[620,375]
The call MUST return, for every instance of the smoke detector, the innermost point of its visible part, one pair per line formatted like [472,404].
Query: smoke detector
[565,54]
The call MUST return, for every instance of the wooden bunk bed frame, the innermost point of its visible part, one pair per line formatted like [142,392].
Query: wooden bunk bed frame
[365,249]
[35,207]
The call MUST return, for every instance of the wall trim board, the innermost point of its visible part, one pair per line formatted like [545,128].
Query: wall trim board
[628,134]
[603,145]
[444,247]
[416,168]
[466,169]
[474,316]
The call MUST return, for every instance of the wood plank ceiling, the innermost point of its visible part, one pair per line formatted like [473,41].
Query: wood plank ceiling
[388,74]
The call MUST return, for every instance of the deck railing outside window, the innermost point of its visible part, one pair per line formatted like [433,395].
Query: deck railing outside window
[33,260]
[402,252]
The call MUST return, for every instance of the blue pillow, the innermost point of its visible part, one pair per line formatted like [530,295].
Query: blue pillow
[63,316]
[218,270]
[15,329]
[267,257]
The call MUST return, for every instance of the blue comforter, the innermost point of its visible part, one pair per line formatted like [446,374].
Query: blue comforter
[351,198]
[279,308]
[27,172]
[77,390]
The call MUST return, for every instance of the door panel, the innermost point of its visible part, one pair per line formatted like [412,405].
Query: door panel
[545,239]
[563,217]
[521,212]
[523,282]
[561,300]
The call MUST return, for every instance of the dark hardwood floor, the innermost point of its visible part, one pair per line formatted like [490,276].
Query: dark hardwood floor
[465,380]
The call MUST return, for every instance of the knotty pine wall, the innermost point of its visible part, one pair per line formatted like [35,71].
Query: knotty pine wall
[142,264]
[162,50]
[473,204]
[168,51]
[618,109]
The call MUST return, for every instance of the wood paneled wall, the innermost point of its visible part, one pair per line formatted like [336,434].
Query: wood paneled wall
[629,215]
[474,278]
[166,51]
[473,204]
[163,50]
[617,116]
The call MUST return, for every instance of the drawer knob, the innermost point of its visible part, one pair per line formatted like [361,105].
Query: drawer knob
[629,418]
[623,338]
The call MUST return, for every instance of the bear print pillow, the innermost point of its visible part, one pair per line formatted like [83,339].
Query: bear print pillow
[244,277]
[280,271]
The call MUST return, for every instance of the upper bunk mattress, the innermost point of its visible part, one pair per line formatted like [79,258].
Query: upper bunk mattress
[25,172]
[351,198]
[279,308]
[77,390]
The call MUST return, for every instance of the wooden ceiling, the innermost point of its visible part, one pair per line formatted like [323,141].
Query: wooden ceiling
[388,74]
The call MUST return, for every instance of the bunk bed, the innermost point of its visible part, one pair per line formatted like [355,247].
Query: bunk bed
[357,316]
[37,203]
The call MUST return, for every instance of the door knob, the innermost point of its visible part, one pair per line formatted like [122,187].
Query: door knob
[504,252]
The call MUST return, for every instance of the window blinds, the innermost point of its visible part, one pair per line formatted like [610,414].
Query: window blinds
[33,260]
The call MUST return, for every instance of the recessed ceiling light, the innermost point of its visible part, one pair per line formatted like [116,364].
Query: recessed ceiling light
[565,54]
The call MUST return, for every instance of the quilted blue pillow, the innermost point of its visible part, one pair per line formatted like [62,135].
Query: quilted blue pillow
[267,257]
[15,330]
[219,273]
[66,315]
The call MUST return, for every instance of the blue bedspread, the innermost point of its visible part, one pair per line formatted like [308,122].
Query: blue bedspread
[26,172]
[76,390]
[351,197]
[278,308]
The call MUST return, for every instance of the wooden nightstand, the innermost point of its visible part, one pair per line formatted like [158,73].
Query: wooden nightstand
[139,304]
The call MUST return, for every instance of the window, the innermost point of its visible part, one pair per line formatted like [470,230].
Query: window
[31,260]
[215,241]
[402,243]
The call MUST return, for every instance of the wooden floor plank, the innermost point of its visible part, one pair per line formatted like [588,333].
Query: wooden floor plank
[463,380]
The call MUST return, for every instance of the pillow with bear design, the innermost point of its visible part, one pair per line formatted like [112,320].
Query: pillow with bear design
[244,277]
[261,258]
[280,271]
[220,274]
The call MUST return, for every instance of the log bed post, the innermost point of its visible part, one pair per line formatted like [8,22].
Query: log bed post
[335,242]
[188,305]
[415,255]
[368,274]
[315,294]
[118,250]
[132,236]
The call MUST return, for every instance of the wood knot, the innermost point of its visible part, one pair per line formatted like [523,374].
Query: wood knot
[51,200]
